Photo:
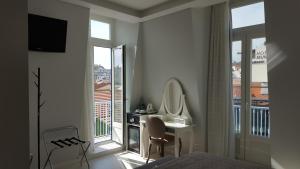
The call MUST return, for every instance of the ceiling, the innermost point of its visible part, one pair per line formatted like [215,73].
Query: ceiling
[139,10]
[139,4]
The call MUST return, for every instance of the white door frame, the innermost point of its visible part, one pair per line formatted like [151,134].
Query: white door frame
[245,35]
[116,125]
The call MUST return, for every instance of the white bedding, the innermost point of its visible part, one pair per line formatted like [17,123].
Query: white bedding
[201,161]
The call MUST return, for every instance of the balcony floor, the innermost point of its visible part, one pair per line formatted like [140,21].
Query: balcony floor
[101,139]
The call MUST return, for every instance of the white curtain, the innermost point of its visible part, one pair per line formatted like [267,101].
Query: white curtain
[87,118]
[220,133]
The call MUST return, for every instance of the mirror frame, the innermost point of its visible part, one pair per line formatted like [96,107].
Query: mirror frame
[181,95]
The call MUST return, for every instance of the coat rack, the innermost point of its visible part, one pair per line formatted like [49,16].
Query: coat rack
[37,83]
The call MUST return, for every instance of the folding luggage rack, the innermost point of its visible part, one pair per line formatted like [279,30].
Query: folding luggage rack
[59,141]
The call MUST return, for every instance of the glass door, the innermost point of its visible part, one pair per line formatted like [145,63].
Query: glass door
[250,82]
[118,95]
[102,93]
[237,64]
[258,115]
[250,96]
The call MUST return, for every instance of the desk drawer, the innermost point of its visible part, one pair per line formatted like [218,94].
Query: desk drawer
[170,130]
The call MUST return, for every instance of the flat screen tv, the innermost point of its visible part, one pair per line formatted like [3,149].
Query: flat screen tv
[46,34]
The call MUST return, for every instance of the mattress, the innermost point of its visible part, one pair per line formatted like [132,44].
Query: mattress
[200,160]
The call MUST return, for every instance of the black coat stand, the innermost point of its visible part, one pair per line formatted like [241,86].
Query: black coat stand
[39,105]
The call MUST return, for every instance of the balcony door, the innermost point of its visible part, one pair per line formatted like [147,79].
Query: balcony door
[109,93]
[118,93]
[250,94]
[250,83]
[109,83]
[102,93]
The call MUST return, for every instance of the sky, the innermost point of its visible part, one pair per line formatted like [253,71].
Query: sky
[246,16]
[100,30]
[102,56]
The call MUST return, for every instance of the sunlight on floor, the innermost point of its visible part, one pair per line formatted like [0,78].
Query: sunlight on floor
[121,160]
[105,147]
[124,160]
[131,160]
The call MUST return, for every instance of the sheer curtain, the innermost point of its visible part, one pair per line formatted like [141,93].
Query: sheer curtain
[220,133]
[87,118]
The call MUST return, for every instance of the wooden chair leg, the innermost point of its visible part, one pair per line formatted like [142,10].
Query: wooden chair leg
[149,151]
[162,150]
[180,146]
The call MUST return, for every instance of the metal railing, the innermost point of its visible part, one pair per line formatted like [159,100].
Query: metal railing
[237,118]
[102,118]
[259,120]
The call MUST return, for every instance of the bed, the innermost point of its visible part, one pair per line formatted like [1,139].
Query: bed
[200,160]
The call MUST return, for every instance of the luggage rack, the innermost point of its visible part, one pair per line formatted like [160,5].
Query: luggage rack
[55,143]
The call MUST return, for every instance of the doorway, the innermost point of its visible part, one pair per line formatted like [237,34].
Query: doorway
[250,85]
[109,94]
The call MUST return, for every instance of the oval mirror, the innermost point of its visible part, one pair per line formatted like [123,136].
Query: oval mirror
[173,97]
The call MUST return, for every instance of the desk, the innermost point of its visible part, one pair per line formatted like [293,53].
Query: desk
[176,129]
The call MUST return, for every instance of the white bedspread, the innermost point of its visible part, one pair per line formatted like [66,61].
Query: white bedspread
[201,161]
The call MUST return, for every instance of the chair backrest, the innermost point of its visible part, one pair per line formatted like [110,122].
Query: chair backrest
[156,127]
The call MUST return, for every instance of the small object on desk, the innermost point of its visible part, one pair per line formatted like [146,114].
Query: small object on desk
[179,120]
[149,107]
[143,111]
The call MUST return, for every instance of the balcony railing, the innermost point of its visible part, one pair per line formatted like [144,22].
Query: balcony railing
[102,122]
[260,120]
[237,118]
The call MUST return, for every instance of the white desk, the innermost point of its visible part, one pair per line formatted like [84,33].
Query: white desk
[176,129]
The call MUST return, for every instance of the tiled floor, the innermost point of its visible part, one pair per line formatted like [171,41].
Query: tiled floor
[124,160]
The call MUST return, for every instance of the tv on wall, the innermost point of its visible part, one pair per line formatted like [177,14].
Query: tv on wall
[46,34]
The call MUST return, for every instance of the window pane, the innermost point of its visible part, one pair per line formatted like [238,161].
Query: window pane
[260,114]
[249,15]
[102,94]
[236,82]
[118,83]
[100,30]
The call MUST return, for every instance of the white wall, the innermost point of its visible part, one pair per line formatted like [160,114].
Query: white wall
[176,45]
[283,37]
[127,34]
[14,84]
[62,73]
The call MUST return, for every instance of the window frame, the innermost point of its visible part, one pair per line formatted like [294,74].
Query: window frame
[245,34]
[101,42]
[237,4]
[97,42]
